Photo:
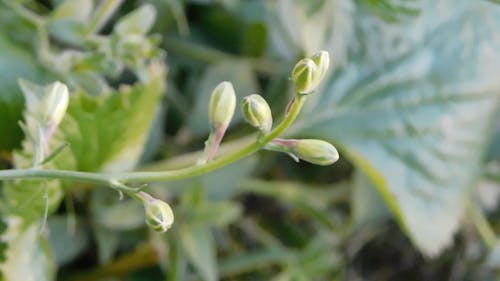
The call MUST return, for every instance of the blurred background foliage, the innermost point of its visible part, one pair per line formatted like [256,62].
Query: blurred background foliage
[411,103]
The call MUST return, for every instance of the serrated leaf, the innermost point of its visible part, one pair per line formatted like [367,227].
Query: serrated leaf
[109,132]
[29,198]
[413,110]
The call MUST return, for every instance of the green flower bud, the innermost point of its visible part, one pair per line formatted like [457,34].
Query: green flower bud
[322,61]
[159,215]
[303,76]
[314,151]
[222,105]
[54,104]
[257,112]
[308,72]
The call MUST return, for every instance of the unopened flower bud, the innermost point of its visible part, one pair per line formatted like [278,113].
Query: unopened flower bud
[54,104]
[303,76]
[309,72]
[257,112]
[314,151]
[322,61]
[222,105]
[159,215]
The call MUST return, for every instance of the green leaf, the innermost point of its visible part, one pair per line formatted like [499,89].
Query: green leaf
[66,243]
[108,132]
[106,238]
[367,205]
[123,215]
[75,10]
[494,256]
[413,110]
[15,64]
[28,255]
[309,26]
[138,22]
[29,198]
[198,243]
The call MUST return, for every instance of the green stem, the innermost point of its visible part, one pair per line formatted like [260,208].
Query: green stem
[163,176]
[482,226]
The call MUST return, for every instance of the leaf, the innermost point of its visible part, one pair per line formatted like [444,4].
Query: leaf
[66,244]
[237,72]
[494,257]
[15,63]
[138,22]
[29,198]
[413,109]
[310,26]
[75,10]
[28,254]
[198,243]
[123,215]
[367,205]
[108,132]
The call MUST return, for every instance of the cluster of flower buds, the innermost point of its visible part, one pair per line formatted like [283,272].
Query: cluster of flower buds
[45,109]
[47,105]
[306,76]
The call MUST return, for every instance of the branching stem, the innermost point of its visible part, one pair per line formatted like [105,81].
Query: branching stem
[110,179]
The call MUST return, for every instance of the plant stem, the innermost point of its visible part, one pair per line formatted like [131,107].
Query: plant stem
[182,173]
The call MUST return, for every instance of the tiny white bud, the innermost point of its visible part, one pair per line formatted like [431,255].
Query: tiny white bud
[54,104]
[314,151]
[257,112]
[222,105]
[303,76]
[159,215]
[322,61]
[309,72]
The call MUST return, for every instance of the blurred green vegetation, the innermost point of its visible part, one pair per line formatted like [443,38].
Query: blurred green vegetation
[411,103]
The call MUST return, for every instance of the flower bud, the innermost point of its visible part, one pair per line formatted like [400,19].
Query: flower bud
[54,104]
[314,151]
[308,72]
[222,105]
[303,76]
[159,215]
[322,61]
[257,112]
